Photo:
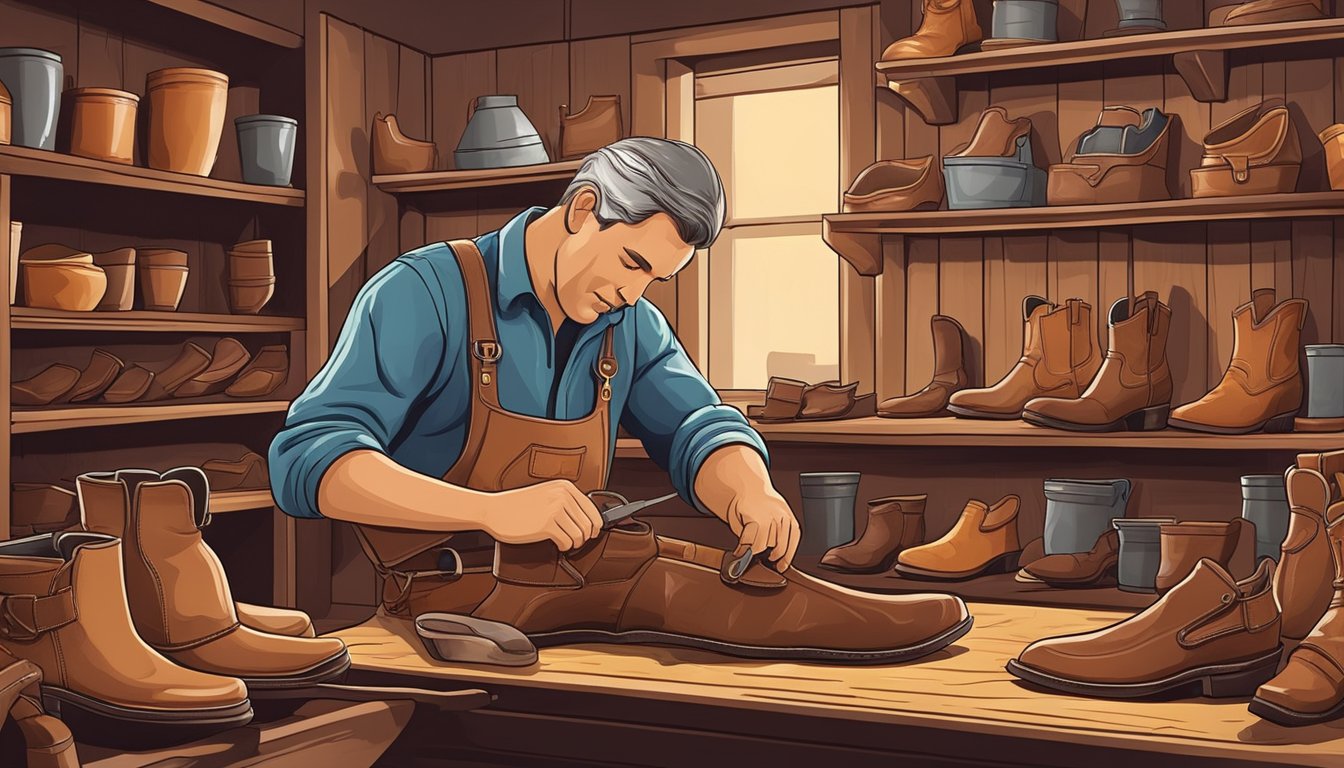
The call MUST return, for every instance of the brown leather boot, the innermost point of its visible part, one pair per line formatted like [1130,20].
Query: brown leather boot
[1301,590]
[948,25]
[1262,387]
[395,152]
[179,595]
[48,742]
[983,540]
[1132,391]
[1210,635]
[629,586]
[895,523]
[949,376]
[64,609]
[1183,545]
[1077,569]
[1059,358]
[1310,689]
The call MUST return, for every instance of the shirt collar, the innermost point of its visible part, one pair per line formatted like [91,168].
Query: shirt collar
[512,278]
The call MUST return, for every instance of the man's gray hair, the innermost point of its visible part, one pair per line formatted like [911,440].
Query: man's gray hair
[640,176]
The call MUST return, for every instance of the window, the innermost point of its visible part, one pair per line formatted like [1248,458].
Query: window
[772,132]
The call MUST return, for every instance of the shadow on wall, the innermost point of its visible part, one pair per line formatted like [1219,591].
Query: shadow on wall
[799,365]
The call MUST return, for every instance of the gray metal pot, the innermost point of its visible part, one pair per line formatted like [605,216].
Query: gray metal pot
[498,135]
[1078,512]
[34,78]
[828,510]
[1025,20]
[1140,552]
[995,182]
[266,148]
[1325,381]
[1140,15]
[1264,502]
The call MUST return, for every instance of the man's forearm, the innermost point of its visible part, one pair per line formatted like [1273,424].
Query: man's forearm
[369,488]
[727,473]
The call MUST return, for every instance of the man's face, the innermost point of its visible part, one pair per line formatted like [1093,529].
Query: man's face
[598,270]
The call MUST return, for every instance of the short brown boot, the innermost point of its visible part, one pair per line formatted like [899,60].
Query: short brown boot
[65,609]
[949,376]
[1183,545]
[1132,391]
[1059,358]
[1262,387]
[984,540]
[179,595]
[895,523]
[1303,593]
[948,25]
[47,741]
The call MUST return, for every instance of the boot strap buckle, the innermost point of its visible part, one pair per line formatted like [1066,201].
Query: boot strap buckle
[25,617]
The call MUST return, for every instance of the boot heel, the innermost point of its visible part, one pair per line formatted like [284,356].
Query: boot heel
[1004,563]
[1148,419]
[1282,423]
[1243,682]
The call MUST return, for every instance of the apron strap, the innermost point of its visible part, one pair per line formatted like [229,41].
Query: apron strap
[484,340]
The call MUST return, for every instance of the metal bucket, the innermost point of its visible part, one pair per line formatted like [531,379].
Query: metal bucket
[1325,381]
[1140,552]
[34,79]
[828,510]
[1078,512]
[266,148]
[498,135]
[1264,502]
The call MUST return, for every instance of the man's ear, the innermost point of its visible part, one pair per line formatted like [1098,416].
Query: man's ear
[580,208]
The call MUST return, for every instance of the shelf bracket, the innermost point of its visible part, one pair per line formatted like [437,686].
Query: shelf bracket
[1204,72]
[863,251]
[934,98]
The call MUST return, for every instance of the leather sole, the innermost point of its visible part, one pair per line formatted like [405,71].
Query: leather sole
[1144,420]
[1290,717]
[1215,681]
[67,704]
[1006,563]
[1281,423]
[1104,579]
[327,671]
[971,413]
[885,565]
[654,637]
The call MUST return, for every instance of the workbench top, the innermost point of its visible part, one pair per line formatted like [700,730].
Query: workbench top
[963,688]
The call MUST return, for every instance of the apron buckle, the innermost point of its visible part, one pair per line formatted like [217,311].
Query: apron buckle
[486,351]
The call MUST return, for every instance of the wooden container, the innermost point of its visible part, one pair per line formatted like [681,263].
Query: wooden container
[102,124]
[15,237]
[250,260]
[163,278]
[6,117]
[186,116]
[119,265]
[66,285]
[248,295]
[1332,138]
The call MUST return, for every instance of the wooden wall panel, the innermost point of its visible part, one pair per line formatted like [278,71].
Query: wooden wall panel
[1313,276]
[961,278]
[539,75]
[100,59]
[600,67]
[1071,269]
[858,125]
[1170,259]
[921,301]
[1229,286]
[890,376]
[382,66]
[455,82]
[347,169]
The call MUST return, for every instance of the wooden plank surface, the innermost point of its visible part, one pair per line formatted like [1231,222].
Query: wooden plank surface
[438,181]
[382,90]
[965,689]
[921,304]
[347,140]
[139,321]
[76,417]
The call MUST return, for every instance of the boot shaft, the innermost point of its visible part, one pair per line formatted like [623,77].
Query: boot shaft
[1067,345]
[1267,340]
[948,351]
[1137,336]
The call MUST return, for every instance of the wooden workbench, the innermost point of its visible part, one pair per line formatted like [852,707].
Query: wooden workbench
[660,706]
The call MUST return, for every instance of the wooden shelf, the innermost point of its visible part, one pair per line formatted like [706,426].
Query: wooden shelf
[25,161]
[147,321]
[79,417]
[853,235]
[630,448]
[240,501]
[233,20]
[439,181]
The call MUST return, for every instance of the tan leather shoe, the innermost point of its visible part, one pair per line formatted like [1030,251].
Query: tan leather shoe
[949,375]
[995,135]
[1031,552]
[65,604]
[595,126]
[48,742]
[191,360]
[1310,689]
[1059,358]
[227,359]
[1210,635]
[630,586]
[52,385]
[793,400]
[1183,545]
[1132,390]
[983,540]
[1255,152]
[895,523]
[132,384]
[1262,387]
[395,152]
[896,185]
[103,369]
[948,26]
[1303,594]
[1265,12]
[179,595]
[267,371]
[1120,174]
[276,621]
[247,472]
[1079,569]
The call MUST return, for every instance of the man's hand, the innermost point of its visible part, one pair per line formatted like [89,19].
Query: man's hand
[762,520]
[555,510]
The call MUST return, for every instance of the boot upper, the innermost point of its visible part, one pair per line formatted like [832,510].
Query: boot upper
[894,523]
[1305,554]
[947,26]
[1183,545]
[981,534]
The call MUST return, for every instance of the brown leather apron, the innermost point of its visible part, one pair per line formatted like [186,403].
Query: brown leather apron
[503,450]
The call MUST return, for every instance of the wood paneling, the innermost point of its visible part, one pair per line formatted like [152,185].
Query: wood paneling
[539,75]
[455,83]
[347,140]
[600,67]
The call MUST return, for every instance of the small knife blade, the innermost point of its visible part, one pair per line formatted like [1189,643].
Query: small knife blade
[622,511]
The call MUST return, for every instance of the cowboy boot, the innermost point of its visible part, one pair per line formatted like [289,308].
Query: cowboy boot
[47,741]
[948,25]
[983,540]
[949,376]
[1298,585]
[1133,388]
[895,523]
[1262,387]
[179,595]
[1183,545]
[1059,358]
[1310,689]
[65,609]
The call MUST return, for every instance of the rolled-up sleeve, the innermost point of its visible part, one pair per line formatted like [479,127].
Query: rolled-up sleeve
[673,411]
[387,356]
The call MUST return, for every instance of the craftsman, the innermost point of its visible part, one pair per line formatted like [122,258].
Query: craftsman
[503,365]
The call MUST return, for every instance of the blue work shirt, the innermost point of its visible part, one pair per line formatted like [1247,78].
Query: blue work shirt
[399,382]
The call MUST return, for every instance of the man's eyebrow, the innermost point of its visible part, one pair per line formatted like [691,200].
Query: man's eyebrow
[642,262]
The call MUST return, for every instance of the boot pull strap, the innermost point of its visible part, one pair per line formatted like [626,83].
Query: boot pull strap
[25,617]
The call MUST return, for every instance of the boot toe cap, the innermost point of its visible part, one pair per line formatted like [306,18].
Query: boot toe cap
[1303,686]
[248,653]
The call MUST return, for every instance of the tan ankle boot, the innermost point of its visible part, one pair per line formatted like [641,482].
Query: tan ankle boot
[1183,545]
[1262,387]
[983,540]
[949,376]
[895,523]
[1133,388]
[179,595]
[1059,358]
[65,610]
[47,741]
[947,26]
[1302,592]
